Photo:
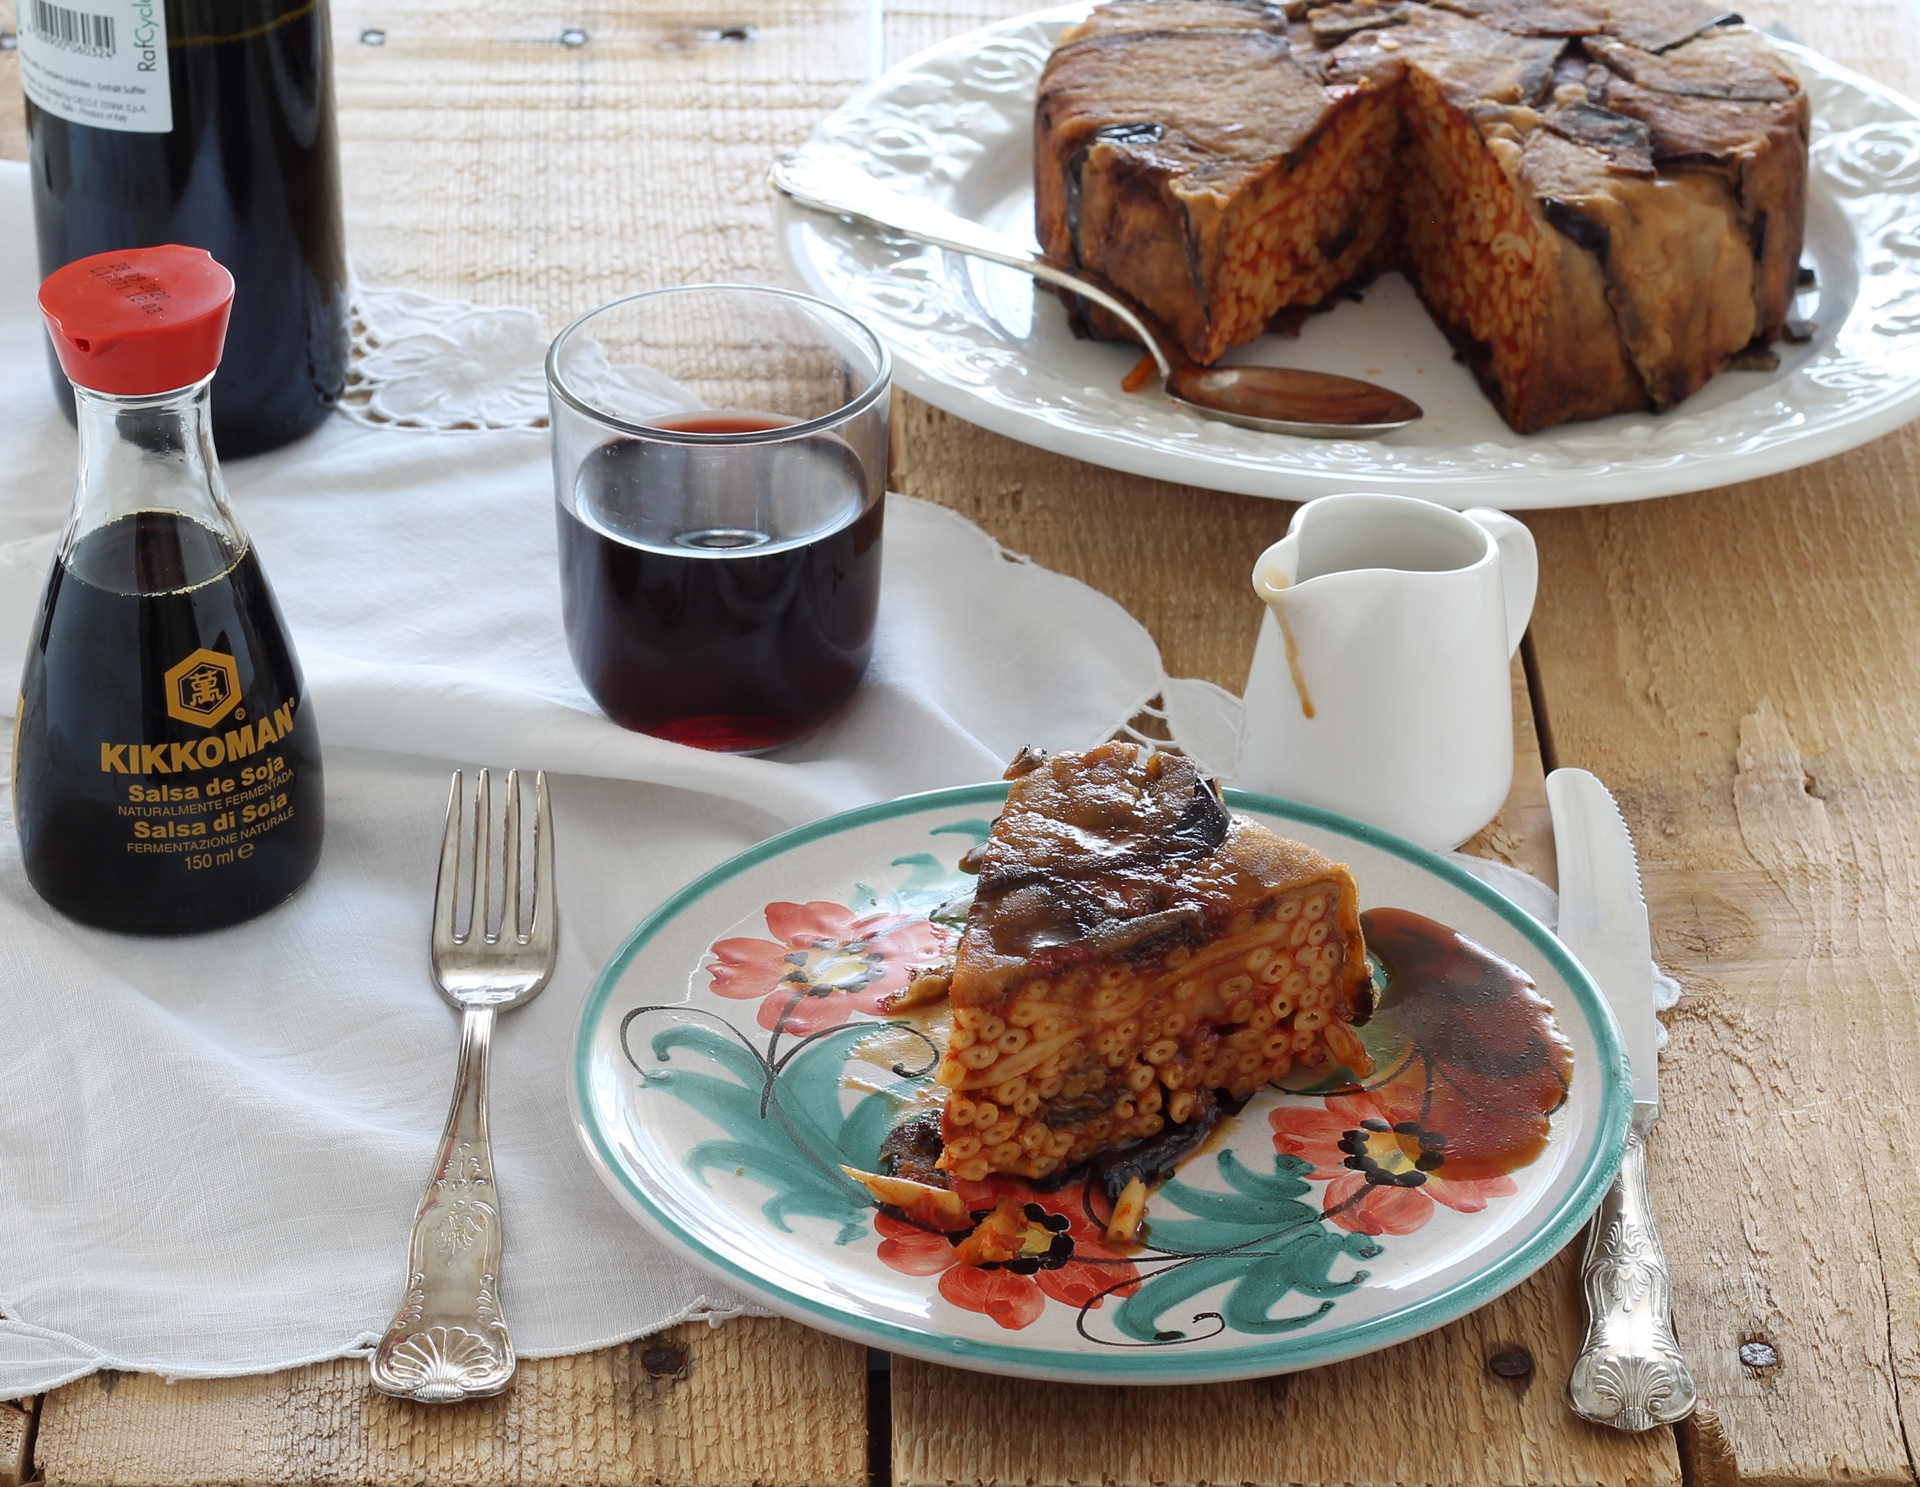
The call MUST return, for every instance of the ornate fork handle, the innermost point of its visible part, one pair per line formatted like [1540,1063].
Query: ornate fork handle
[448,1341]
[1630,1373]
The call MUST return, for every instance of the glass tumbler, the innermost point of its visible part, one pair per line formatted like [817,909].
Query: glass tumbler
[719,465]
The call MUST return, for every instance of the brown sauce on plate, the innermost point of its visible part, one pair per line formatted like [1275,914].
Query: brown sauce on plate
[1473,1051]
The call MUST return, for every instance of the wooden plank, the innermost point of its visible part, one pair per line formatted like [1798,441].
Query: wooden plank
[1430,1411]
[756,1403]
[1740,667]
[16,1441]
[484,159]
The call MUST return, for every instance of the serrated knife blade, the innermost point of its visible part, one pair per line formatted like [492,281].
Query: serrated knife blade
[1630,1373]
[1603,919]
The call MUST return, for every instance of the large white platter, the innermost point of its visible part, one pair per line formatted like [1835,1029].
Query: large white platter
[731,1056]
[955,124]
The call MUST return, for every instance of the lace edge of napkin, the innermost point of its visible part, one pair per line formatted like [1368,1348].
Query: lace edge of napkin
[443,365]
[703,1309]
[36,1359]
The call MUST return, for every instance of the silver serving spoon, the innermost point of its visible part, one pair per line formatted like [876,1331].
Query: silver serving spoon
[1279,400]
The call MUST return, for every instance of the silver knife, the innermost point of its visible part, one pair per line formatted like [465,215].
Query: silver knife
[1630,1373]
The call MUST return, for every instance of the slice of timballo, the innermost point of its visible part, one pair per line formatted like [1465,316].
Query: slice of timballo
[1135,959]
[1184,154]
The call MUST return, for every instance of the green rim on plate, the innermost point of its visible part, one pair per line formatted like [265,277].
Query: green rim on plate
[1553,1230]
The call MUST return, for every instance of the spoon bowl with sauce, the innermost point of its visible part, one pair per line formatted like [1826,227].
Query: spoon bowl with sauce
[1278,400]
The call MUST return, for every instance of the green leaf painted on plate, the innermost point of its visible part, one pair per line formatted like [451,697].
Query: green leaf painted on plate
[926,875]
[787,1132]
[776,1143]
[930,881]
[1258,1239]
[975,828]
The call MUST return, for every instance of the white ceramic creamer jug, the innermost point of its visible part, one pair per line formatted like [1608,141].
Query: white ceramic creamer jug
[1379,686]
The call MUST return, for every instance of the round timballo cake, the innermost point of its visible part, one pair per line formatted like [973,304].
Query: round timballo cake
[1601,202]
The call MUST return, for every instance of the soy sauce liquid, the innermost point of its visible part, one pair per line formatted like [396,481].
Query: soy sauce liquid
[123,822]
[722,597]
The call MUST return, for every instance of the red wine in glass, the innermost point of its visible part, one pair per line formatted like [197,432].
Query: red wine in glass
[721,595]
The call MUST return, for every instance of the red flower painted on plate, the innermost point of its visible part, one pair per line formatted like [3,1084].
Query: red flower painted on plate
[1383,1174]
[1065,1257]
[823,965]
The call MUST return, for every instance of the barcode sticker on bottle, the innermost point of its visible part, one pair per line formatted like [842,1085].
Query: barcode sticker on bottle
[98,62]
[78,31]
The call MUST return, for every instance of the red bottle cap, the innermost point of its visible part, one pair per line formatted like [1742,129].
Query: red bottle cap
[141,321]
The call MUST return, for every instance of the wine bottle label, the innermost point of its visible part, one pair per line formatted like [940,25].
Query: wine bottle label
[98,62]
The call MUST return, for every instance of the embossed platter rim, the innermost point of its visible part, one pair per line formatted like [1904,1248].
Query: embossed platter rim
[954,123]
[692,1166]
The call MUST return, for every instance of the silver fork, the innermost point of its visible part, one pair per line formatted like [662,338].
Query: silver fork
[448,1341]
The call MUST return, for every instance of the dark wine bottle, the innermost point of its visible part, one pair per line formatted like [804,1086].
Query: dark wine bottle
[208,123]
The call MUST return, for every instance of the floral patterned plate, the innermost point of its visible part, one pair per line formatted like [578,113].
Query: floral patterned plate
[733,1056]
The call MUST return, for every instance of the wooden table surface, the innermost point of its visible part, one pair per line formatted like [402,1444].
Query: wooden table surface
[1742,666]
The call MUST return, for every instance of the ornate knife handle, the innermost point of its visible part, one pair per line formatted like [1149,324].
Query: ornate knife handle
[448,1341]
[1630,1374]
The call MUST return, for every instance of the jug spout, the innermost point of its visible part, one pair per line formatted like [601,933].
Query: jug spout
[1277,579]
[1274,573]
[1327,605]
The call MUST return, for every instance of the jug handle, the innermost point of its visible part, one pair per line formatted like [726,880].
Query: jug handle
[1519,567]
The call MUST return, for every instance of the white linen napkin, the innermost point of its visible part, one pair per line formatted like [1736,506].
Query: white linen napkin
[211,1147]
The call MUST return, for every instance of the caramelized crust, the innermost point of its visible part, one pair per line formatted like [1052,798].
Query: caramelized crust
[1136,955]
[1677,265]
[1759,150]
[1602,202]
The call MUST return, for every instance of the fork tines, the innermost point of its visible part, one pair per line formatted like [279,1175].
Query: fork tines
[448,901]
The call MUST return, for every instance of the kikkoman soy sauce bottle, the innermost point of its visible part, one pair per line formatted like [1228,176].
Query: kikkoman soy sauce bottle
[166,768]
